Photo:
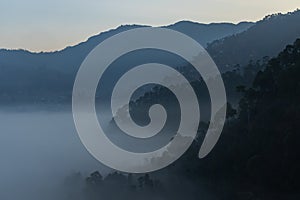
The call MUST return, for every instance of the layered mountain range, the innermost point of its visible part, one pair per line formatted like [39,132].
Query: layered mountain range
[49,76]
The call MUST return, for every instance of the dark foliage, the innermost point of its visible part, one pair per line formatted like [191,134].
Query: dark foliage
[257,156]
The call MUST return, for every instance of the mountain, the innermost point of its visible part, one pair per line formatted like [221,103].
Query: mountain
[266,38]
[206,33]
[70,58]
[49,76]
[256,157]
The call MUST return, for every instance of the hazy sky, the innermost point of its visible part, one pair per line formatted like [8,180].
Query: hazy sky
[45,25]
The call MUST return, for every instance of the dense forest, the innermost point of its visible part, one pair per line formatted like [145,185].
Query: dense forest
[257,156]
[150,100]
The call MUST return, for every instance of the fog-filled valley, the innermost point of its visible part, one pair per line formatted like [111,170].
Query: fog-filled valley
[40,148]
[256,157]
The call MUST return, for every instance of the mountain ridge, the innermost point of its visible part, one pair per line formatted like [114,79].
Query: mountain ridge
[246,23]
[266,38]
[69,59]
[30,77]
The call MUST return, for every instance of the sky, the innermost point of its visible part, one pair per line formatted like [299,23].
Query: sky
[48,25]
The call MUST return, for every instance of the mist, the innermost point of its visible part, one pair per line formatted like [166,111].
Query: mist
[38,151]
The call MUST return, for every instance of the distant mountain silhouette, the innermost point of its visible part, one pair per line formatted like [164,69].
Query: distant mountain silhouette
[34,77]
[266,38]
[206,33]
[69,59]
[49,76]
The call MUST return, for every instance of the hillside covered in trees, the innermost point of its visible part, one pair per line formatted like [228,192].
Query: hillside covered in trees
[266,38]
[257,156]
